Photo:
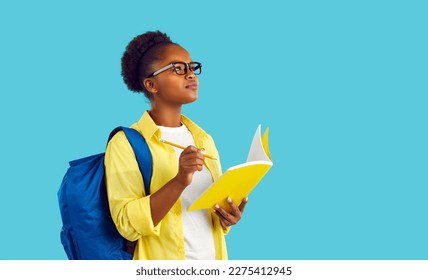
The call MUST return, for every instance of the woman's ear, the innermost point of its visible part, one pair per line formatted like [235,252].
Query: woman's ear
[150,85]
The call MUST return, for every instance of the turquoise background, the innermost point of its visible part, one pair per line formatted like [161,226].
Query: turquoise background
[341,84]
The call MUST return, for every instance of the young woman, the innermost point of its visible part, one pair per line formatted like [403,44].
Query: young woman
[165,72]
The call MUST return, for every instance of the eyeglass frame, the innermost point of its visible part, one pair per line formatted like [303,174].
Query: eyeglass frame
[172,65]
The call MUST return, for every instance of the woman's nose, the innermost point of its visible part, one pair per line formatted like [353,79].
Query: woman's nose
[190,75]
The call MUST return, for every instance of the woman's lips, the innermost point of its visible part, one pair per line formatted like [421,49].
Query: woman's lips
[193,86]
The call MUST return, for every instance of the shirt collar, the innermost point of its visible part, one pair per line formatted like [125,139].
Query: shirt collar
[197,132]
[148,128]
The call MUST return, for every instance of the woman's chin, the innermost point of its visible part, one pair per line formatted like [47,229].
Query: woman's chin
[191,98]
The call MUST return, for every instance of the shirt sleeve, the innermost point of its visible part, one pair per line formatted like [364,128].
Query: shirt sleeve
[129,207]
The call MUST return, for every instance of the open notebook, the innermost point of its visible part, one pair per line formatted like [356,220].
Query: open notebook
[239,180]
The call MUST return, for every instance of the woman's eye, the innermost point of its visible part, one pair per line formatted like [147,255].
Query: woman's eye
[178,67]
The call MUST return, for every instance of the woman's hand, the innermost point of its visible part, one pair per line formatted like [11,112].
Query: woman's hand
[190,161]
[232,217]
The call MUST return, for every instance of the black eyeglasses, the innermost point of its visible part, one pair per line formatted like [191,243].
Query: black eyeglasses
[180,68]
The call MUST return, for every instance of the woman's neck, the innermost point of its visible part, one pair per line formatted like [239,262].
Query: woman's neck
[170,117]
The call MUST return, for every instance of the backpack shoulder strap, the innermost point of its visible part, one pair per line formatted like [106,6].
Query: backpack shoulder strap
[142,153]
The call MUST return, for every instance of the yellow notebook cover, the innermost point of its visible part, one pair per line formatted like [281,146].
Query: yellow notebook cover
[239,180]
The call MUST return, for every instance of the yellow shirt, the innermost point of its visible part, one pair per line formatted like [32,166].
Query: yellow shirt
[130,208]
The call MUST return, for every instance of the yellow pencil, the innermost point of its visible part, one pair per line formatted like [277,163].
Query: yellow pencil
[182,147]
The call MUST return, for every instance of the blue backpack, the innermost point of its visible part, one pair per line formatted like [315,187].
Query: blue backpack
[88,231]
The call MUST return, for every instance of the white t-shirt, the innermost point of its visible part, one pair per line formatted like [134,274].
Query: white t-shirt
[198,237]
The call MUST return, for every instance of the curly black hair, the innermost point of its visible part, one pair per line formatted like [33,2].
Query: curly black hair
[139,56]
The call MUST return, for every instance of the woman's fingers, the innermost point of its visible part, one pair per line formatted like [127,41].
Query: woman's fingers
[234,210]
[223,221]
[192,159]
[242,205]
[231,217]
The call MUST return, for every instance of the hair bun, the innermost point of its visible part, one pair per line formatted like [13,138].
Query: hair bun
[153,38]
[133,56]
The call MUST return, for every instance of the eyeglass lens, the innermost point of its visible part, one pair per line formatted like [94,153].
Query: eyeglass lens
[181,68]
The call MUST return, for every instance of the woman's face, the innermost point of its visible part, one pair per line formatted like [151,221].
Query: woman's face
[170,87]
